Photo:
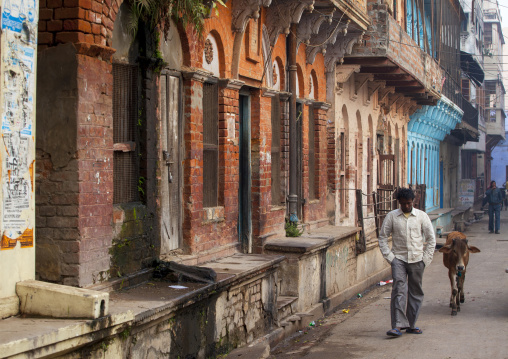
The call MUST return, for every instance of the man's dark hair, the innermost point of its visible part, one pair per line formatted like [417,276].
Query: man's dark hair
[406,193]
[491,182]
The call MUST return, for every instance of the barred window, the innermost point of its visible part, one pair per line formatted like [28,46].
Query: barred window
[210,144]
[125,136]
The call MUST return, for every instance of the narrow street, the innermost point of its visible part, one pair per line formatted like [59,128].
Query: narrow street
[478,331]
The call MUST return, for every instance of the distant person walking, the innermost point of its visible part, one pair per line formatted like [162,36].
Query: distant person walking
[494,197]
[413,244]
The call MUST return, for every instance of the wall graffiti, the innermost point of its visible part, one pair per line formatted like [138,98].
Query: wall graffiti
[19,42]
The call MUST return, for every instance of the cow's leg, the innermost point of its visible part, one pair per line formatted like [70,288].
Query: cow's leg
[459,288]
[453,300]
[461,285]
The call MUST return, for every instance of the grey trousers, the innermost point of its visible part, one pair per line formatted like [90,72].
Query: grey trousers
[407,293]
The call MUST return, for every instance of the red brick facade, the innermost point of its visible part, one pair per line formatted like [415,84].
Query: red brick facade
[76,215]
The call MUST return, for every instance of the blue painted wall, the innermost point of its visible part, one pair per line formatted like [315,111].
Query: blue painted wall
[427,127]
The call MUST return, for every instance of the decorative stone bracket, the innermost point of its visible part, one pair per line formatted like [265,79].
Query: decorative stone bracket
[243,10]
[284,13]
[342,75]
[343,46]
[360,81]
[325,38]
[310,24]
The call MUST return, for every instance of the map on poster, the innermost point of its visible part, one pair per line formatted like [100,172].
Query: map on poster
[19,41]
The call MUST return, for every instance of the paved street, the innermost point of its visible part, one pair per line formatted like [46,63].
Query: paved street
[479,330]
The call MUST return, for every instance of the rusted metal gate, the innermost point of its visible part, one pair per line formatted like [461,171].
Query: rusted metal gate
[384,199]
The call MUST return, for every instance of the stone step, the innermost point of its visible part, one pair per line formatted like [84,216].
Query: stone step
[284,309]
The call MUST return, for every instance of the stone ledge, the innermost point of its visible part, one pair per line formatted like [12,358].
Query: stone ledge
[154,300]
[144,304]
[59,301]
[44,337]
[309,242]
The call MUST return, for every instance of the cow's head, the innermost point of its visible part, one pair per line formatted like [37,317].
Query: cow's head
[457,247]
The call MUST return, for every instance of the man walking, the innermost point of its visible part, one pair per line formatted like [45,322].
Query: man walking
[494,197]
[413,244]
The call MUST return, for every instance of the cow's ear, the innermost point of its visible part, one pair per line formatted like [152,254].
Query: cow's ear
[473,249]
[445,249]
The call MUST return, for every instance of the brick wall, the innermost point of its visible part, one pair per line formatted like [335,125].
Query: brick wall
[63,21]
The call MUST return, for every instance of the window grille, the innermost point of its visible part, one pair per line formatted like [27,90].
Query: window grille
[125,136]
[210,144]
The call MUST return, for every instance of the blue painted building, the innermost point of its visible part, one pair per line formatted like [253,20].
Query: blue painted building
[427,128]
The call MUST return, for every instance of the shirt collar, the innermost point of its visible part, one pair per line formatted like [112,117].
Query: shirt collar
[413,212]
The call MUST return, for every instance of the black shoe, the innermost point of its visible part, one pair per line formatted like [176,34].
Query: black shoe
[497,232]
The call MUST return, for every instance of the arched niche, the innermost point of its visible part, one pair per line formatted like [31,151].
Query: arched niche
[277,75]
[313,86]
[213,54]
[171,48]
[127,48]
[300,88]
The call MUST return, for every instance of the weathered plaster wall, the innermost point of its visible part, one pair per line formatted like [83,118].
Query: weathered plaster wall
[449,155]
[18,43]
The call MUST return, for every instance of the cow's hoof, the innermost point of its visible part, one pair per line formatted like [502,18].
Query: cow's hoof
[458,309]
[454,312]
[462,300]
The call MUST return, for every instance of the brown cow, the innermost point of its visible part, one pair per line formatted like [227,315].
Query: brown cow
[455,258]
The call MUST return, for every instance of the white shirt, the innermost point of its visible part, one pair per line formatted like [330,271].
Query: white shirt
[413,238]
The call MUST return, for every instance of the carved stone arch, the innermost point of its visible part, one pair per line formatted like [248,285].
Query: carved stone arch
[216,65]
[313,85]
[171,48]
[267,57]
[300,81]
[345,117]
[359,126]
[127,47]
[281,79]
[284,13]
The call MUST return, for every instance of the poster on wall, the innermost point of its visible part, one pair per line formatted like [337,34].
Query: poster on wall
[19,49]
[466,191]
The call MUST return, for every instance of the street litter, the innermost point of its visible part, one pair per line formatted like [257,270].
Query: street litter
[345,311]
[359,295]
[385,283]
[312,324]
[177,287]
[387,298]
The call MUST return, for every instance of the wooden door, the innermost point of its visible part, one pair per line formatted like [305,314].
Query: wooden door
[170,164]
